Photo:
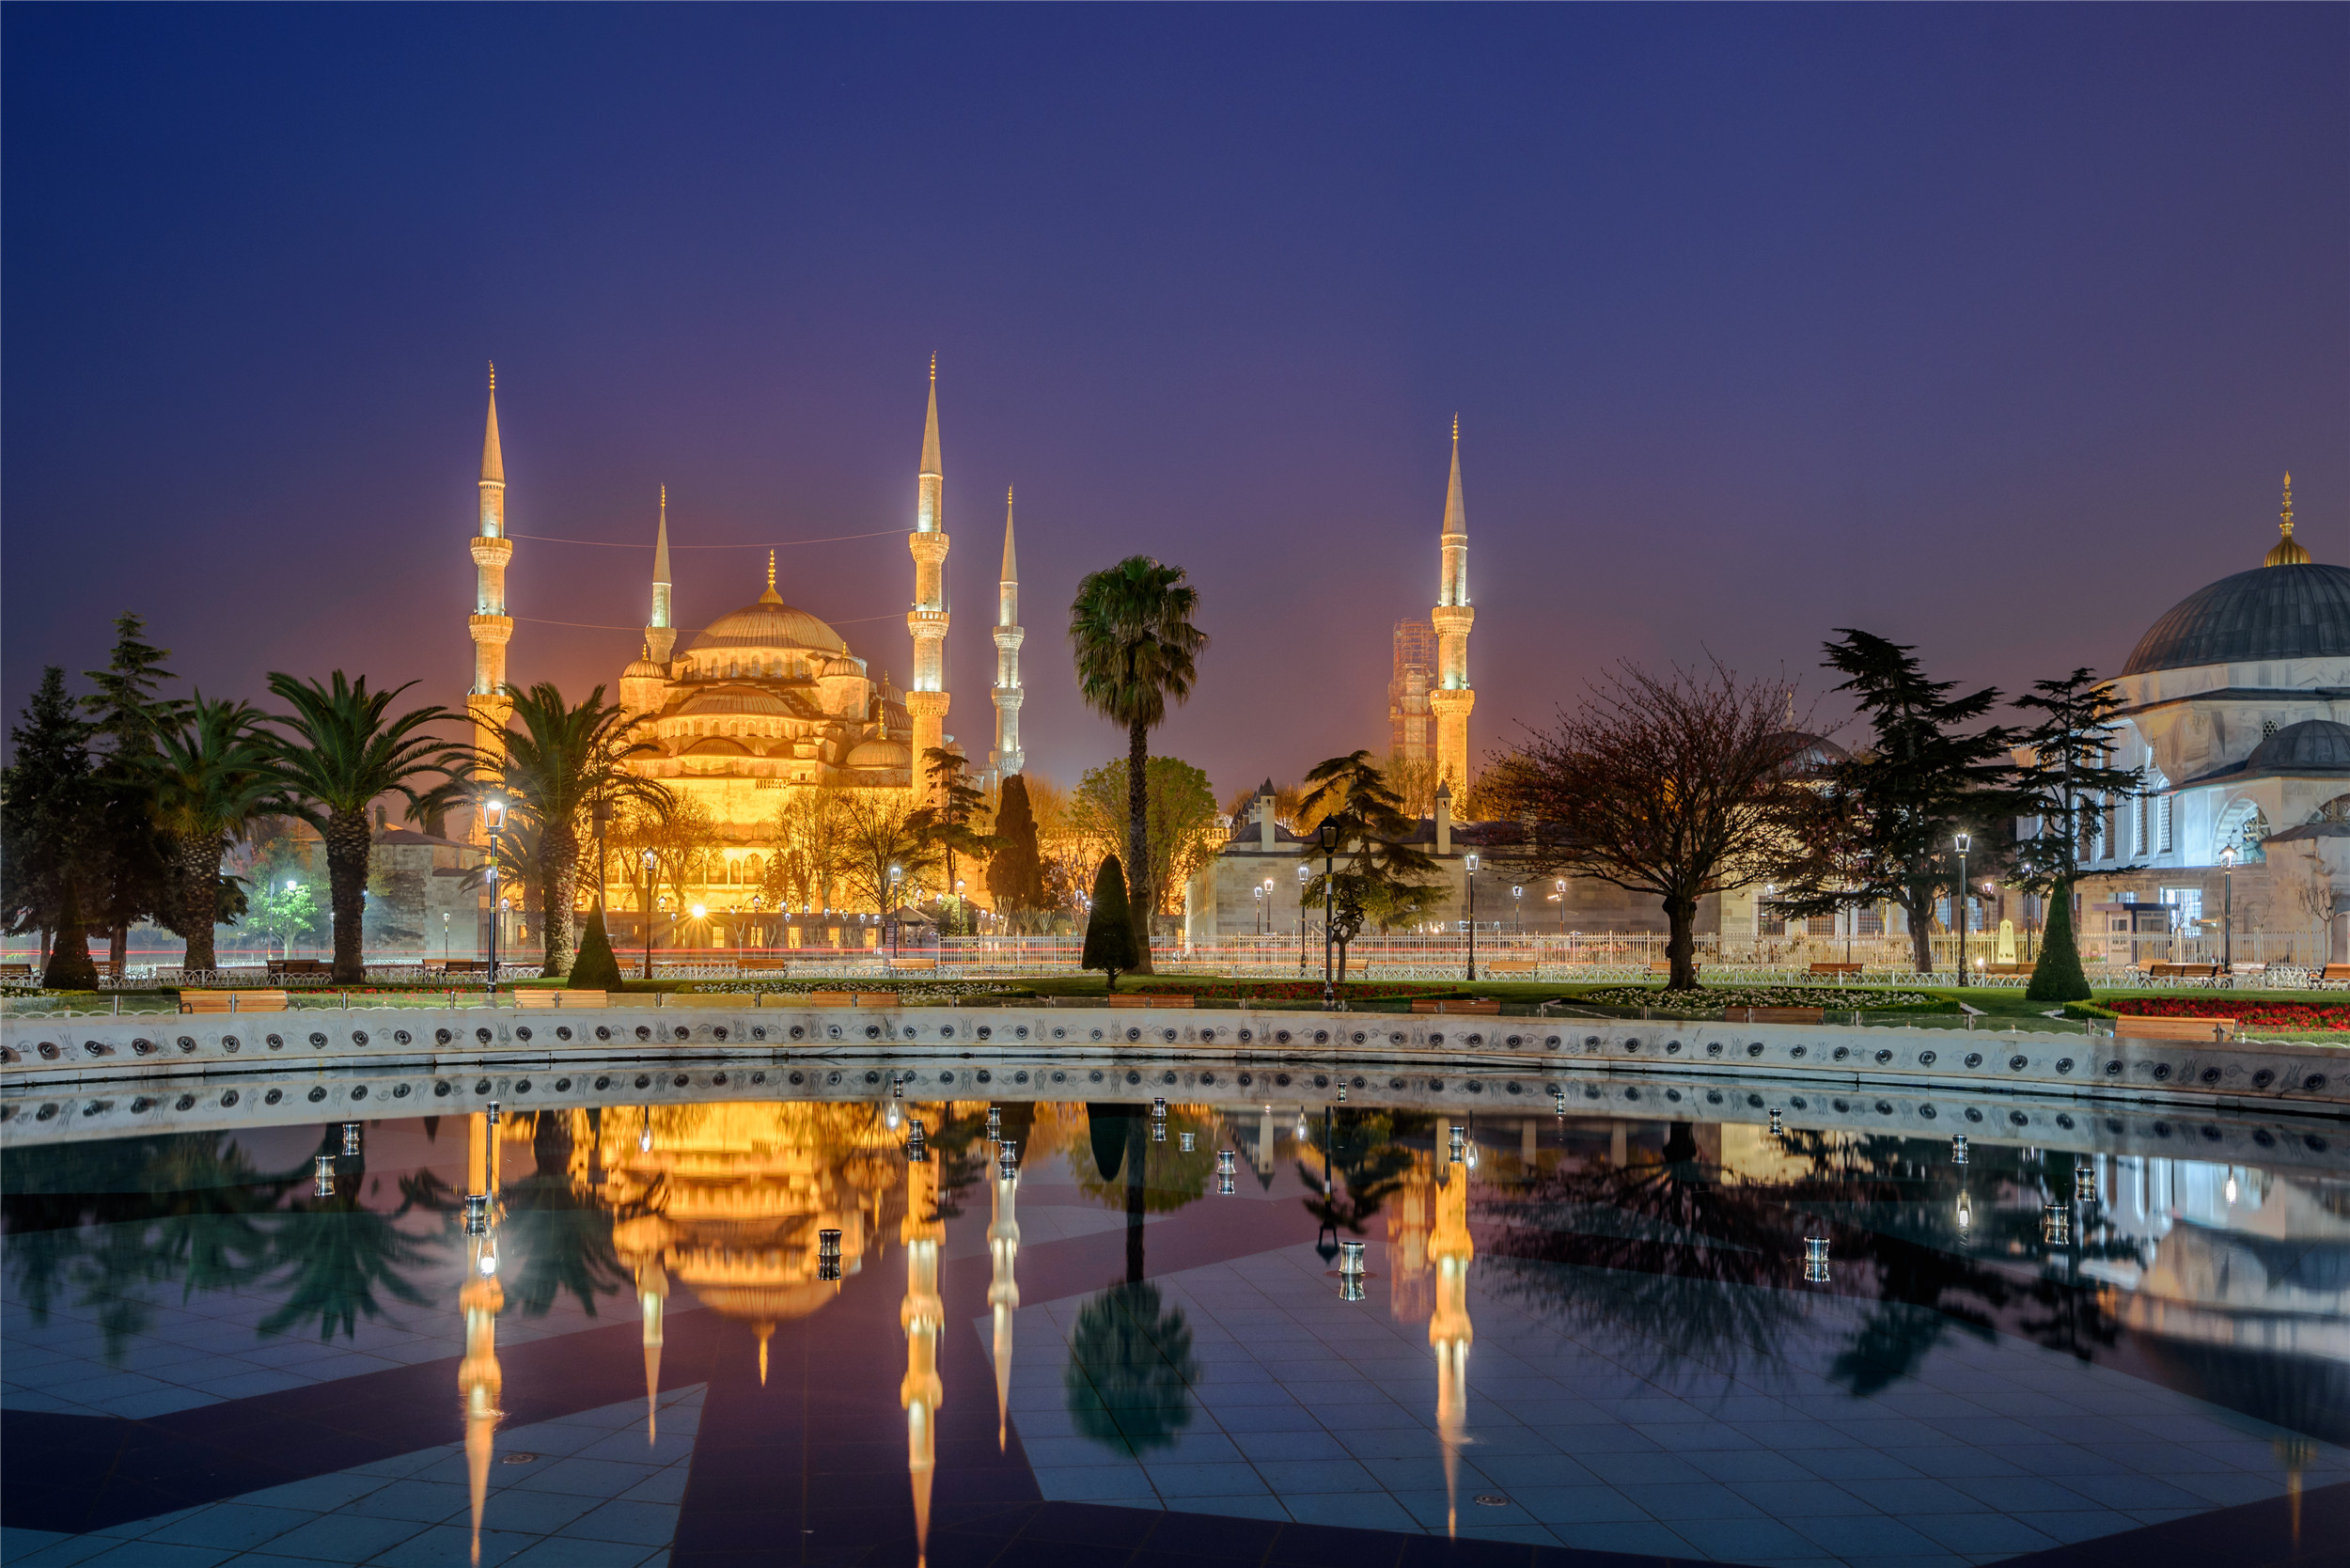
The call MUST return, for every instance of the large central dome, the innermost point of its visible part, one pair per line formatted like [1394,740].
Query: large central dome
[770,624]
[2296,611]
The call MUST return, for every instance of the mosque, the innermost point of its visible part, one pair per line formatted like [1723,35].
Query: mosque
[766,700]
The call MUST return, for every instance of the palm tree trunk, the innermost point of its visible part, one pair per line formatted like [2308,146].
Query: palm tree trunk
[1139,879]
[558,888]
[348,843]
[199,897]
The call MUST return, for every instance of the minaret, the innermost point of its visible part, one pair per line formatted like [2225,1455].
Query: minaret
[1007,759]
[661,631]
[492,628]
[926,694]
[1453,697]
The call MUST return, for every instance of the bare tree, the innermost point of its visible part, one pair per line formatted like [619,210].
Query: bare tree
[1671,785]
[811,850]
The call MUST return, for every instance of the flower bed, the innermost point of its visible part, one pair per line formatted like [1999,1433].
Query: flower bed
[2296,1016]
[911,991]
[1715,998]
[1285,991]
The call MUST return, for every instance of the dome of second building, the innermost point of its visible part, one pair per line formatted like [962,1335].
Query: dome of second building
[2313,745]
[2299,611]
[878,754]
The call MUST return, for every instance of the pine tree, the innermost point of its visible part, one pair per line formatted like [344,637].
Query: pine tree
[2067,782]
[595,967]
[1110,932]
[127,869]
[1015,877]
[44,802]
[69,966]
[2057,976]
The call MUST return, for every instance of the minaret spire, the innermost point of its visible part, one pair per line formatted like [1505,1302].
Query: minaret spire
[926,694]
[1008,758]
[490,627]
[661,631]
[1452,698]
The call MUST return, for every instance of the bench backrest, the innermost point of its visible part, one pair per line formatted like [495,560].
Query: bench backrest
[557,997]
[1147,999]
[2174,1028]
[232,1001]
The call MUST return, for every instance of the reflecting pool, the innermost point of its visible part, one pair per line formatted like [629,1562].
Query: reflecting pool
[882,1329]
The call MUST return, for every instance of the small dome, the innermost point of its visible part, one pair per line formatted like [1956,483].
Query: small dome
[644,669]
[2271,612]
[1810,755]
[878,754]
[2313,746]
[716,745]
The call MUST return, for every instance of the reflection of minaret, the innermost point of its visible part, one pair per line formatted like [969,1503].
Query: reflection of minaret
[652,1296]
[481,1297]
[1453,697]
[1003,1289]
[1448,1328]
[922,1314]
[1265,1143]
[926,694]
[1007,758]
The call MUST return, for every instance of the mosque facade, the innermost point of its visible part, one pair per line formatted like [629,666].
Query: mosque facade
[766,700]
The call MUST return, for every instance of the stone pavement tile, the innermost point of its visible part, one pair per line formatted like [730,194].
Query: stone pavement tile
[1636,1467]
[1200,1481]
[596,1477]
[1907,1495]
[1977,1533]
[427,1502]
[1747,1465]
[1852,1464]
[1355,1510]
[1796,1500]
[568,1553]
[1094,1483]
[151,1554]
[1317,1475]
[1675,1501]
[67,1550]
[515,1509]
[1864,1535]
[444,1545]
[349,1536]
[1585,1505]
[1258,1507]
[2227,1487]
[2135,1493]
[236,1525]
[1950,1461]
[1744,1540]
[1652,1539]
[2065,1526]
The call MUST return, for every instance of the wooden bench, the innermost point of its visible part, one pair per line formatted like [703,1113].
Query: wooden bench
[1778,1014]
[1487,1006]
[1147,998]
[914,963]
[232,1001]
[2329,974]
[2007,968]
[562,998]
[1837,968]
[2183,971]
[281,968]
[1511,967]
[2206,1030]
[16,971]
[456,966]
[712,998]
[810,998]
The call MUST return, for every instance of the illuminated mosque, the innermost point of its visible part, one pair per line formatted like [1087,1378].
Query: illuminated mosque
[767,698]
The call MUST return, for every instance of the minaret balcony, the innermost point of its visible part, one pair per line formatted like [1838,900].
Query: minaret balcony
[928,549]
[492,553]
[1452,619]
[1009,638]
[926,623]
[491,628]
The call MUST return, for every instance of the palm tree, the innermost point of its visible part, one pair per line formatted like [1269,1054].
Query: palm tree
[1130,626]
[211,776]
[558,763]
[339,753]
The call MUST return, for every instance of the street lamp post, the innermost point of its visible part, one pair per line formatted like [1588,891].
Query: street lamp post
[1517,909]
[1960,913]
[1561,886]
[649,871]
[1256,926]
[495,811]
[1329,835]
[1305,875]
[897,920]
[1471,864]
[2227,919]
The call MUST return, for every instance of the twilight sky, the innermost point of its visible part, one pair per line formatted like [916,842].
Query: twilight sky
[1989,329]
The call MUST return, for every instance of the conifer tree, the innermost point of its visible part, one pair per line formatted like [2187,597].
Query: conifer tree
[127,869]
[44,801]
[595,967]
[1015,877]
[1110,944]
[2068,780]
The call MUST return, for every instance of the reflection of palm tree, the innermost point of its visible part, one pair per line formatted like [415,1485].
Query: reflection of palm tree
[1130,1368]
[558,1232]
[100,1222]
[340,1255]
[1365,1160]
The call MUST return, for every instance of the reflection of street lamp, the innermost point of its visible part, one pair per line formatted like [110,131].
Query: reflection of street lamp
[2226,922]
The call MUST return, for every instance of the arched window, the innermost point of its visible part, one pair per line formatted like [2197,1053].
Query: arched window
[755,869]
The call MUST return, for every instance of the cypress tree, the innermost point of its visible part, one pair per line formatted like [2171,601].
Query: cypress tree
[69,966]
[1110,933]
[1015,877]
[47,809]
[2057,975]
[594,967]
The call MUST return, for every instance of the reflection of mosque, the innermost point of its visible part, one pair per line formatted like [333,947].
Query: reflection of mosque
[732,1203]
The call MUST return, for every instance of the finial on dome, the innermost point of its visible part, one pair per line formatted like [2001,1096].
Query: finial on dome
[771,596]
[933,366]
[2287,551]
[1456,429]
[493,375]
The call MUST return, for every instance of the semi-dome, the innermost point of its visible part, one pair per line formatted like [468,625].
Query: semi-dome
[2313,746]
[2294,611]
[878,754]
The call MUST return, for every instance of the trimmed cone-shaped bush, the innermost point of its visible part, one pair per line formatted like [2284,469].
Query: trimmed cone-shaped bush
[69,966]
[1110,944]
[2057,975]
[594,968]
